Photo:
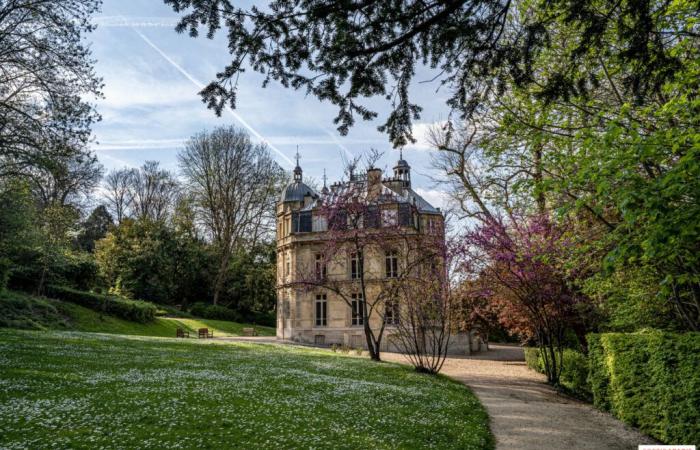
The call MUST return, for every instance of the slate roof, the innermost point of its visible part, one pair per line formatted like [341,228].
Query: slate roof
[296,191]
[386,195]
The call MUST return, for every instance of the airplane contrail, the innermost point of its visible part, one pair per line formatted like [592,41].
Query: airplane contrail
[200,86]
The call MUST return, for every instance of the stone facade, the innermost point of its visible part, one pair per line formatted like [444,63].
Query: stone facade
[319,317]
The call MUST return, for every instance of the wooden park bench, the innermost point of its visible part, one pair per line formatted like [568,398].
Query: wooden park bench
[250,332]
[180,333]
[204,333]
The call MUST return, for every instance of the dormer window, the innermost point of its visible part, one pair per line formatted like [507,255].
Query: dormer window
[390,217]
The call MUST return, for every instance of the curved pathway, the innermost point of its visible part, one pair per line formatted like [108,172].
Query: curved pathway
[526,413]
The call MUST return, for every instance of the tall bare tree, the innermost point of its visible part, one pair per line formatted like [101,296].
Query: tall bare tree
[235,185]
[148,192]
[118,192]
[154,192]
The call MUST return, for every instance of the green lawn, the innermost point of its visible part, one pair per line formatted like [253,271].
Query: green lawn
[21,310]
[82,390]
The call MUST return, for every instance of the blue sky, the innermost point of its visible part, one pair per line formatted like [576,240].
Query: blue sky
[152,76]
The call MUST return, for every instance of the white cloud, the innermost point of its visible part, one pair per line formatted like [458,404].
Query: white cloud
[135,22]
[421,132]
[125,90]
[320,140]
[139,144]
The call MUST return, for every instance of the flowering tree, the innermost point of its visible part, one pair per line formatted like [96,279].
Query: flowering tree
[518,264]
[475,310]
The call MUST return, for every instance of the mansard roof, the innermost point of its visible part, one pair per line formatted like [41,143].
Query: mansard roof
[385,195]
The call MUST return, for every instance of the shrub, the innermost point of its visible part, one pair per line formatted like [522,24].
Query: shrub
[207,311]
[532,359]
[649,380]
[133,310]
[574,371]
[23,311]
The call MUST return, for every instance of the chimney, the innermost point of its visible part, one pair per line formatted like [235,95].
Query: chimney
[374,183]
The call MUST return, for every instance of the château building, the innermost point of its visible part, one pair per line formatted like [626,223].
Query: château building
[318,316]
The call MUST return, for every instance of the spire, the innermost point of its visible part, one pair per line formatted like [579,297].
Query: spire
[325,178]
[297,169]
[402,170]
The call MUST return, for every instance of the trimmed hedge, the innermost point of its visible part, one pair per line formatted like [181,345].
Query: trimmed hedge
[574,372]
[133,310]
[650,380]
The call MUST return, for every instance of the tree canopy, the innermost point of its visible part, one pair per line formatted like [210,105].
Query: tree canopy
[346,51]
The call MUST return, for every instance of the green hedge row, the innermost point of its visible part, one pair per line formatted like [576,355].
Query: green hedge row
[650,380]
[133,310]
[574,373]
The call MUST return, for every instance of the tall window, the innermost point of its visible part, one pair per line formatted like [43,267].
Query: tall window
[404,214]
[355,265]
[372,217]
[319,223]
[301,222]
[320,266]
[321,310]
[287,265]
[391,264]
[357,305]
[391,313]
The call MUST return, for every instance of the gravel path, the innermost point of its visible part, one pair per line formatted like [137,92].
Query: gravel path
[528,414]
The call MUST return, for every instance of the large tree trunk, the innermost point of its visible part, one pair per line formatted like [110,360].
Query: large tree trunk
[221,275]
[372,346]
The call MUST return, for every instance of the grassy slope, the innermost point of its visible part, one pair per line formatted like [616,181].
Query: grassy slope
[83,390]
[25,311]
